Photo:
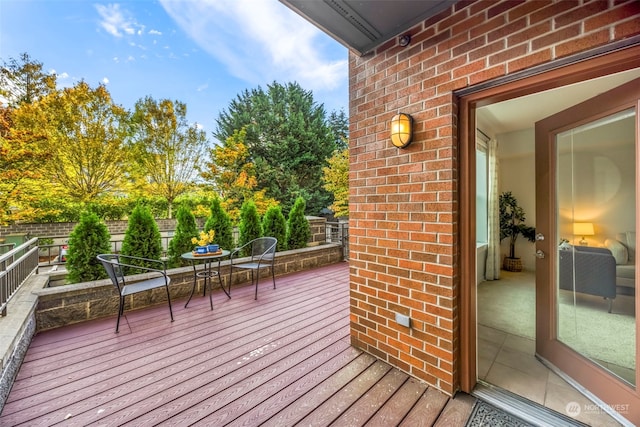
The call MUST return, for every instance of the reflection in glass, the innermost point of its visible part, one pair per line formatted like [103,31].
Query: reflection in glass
[596,271]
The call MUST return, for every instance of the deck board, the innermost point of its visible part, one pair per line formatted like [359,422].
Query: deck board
[282,360]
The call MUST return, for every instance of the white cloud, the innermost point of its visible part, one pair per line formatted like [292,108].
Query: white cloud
[105,80]
[155,32]
[116,21]
[260,41]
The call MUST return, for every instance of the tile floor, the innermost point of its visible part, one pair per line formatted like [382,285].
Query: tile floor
[508,361]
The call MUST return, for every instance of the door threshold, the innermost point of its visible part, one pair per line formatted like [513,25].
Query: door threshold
[527,410]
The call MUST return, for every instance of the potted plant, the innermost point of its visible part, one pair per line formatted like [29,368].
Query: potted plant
[512,225]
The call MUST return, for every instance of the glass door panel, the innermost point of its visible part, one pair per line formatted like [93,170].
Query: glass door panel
[595,226]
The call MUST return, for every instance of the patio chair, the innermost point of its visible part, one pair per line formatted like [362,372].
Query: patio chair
[263,251]
[117,267]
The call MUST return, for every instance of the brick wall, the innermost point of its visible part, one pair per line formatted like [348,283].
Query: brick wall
[63,229]
[403,203]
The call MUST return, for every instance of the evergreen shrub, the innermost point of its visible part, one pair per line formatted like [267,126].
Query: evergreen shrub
[89,238]
[274,224]
[249,227]
[186,229]
[142,237]
[298,228]
[220,222]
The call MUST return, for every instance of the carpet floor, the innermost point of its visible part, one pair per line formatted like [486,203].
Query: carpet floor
[508,304]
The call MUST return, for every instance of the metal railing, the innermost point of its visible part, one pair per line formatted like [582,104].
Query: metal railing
[51,253]
[15,267]
[338,232]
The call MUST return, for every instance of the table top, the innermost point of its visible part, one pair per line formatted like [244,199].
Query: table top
[192,257]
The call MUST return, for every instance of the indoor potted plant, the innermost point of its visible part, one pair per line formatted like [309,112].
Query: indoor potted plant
[512,224]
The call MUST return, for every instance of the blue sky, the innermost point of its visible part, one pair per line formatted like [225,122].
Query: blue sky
[200,52]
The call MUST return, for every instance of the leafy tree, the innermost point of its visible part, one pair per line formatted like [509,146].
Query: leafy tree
[336,180]
[274,224]
[89,238]
[338,123]
[22,81]
[22,157]
[168,151]
[249,227]
[288,139]
[186,229]
[86,136]
[220,222]
[142,237]
[298,228]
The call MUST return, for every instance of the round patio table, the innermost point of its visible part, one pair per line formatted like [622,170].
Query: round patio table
[207,273]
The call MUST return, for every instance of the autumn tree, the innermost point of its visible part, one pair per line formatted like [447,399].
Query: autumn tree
[167,150]
[22,156]
[23,150]
[22,81]
[336,181]
[288,140]
[86,133]
[233,176]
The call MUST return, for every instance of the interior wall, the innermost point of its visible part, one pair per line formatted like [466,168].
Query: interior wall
[517,174]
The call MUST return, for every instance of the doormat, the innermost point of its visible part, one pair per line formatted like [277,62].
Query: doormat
[485,415]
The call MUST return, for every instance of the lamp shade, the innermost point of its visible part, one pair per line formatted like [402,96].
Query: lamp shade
[583,229]
[401,130]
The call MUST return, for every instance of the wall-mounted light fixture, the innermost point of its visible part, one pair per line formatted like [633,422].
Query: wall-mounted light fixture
[404,40]
[401,130]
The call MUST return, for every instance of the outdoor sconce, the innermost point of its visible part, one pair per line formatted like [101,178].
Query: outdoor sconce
[401,130]
[404,40]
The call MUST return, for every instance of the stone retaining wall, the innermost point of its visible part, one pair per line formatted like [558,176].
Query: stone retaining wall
[65,305]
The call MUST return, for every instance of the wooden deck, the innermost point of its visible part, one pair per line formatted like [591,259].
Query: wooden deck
[282,360]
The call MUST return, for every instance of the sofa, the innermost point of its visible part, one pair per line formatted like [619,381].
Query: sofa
[623,249]
[588,270]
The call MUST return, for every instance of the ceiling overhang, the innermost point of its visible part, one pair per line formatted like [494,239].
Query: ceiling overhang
[364,25]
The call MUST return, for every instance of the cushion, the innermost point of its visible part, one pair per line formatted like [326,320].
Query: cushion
[628,239]
[618,250]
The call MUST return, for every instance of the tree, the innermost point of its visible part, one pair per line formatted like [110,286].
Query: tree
[22,81]
[336,180]
[142,237]
[249,227]
[288,139]
[274,224]
[338,123]
[168,151]
[298,228]
[22,157]
[220,222]
[186,229]
[89,238]
[86,137]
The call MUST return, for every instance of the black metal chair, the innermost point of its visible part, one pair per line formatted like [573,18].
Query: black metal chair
[263,250]
[118,266]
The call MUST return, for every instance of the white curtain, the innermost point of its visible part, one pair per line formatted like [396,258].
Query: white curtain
[492,268]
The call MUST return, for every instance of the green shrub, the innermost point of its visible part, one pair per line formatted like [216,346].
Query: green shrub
[220,222]
[142,237]
[89,238]
[186,229]
[298,228]
[249,227]
[275,225]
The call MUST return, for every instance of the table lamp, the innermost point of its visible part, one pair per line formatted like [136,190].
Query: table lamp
[583,229]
